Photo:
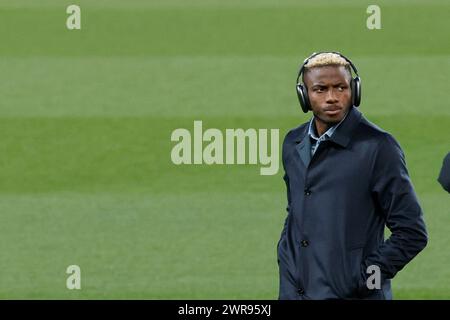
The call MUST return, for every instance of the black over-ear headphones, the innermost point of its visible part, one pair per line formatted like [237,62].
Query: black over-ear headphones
[302,91]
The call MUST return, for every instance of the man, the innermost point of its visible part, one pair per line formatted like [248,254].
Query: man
[444,175]
[346,180]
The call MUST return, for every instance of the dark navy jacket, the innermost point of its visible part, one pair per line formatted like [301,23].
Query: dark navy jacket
[339,202]
[444,176]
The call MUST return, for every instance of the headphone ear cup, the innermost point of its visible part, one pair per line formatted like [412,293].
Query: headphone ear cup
[303,98]
[356,91]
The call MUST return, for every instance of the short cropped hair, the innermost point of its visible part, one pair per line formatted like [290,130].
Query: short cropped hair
[328,59]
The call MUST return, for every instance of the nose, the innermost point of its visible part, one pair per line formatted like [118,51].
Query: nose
[331,96]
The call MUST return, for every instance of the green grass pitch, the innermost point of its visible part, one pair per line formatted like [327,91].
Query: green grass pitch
[86,118]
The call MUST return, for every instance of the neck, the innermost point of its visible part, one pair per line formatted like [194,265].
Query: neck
[321,127]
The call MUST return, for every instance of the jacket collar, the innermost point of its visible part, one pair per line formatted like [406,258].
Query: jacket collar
[343,132]
[341,136]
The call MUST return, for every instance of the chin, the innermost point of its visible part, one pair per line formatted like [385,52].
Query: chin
[333,120]
[336,117]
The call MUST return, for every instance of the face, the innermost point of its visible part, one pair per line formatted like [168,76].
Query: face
[329,92]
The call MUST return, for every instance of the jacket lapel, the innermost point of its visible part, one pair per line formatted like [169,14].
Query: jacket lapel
[304,149]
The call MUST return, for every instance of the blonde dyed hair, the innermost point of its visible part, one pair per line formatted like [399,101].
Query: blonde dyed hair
[327,59]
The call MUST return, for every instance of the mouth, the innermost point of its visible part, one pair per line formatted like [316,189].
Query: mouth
[332,111]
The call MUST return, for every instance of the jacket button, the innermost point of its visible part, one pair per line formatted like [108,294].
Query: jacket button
[304,243]
[301,291]
[307,192]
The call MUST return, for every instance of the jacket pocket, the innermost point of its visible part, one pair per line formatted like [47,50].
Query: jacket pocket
[356,256]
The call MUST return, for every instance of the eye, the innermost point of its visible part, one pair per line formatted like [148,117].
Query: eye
[318,89]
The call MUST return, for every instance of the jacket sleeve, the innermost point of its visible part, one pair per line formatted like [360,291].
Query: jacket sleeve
[286,180]
[393,191]
[444,176]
